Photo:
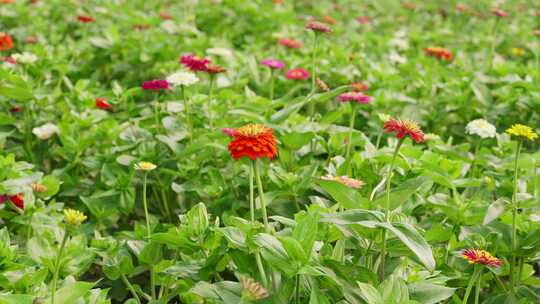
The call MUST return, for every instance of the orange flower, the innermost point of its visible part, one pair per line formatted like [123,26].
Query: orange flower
[7,1]
[254,141]
[359,86]
[404,127]
[440,53]
[6,43]
[328,19]
[476,256]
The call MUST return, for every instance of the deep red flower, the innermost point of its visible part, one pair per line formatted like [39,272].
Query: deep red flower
[317,26]
[102,103]
[6,43]
[499,12]
[440,53]
[476,256]
[18,200]
[155,85]
[85,19]
[15,109]
[290,43]
[297,74]
[254,141]
[404,127]
[194,63]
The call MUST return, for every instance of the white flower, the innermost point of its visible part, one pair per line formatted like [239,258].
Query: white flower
[182,78]
[222,52]
[481,128]
[46,131]
[396,58]
[25,58]
[169,26]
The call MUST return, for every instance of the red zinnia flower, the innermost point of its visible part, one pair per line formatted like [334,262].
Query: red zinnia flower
[404,127]
[214,69]
[17,200]
[254,141]
[85,19]
[476,256]
[165,16]
[359,86]
[290,43]
[155,85]
[317,26]
[297,74]
[102,103]
[440,53]
[6,43]
[194,63]
[354,96]
[499,12]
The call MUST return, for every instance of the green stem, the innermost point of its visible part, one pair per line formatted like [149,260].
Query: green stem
[149,235]
[472,280]
[156,116]
[261,196]
[251,192]
[130,287]
[493,44]
[271,84]
[349,140]
[57,264]
[210,95]
[261,269]
[186,111]
[387,211]
[297,290]
[314,64]
[515,207]
[478,287]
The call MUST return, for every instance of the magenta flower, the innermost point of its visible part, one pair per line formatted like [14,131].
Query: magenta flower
[273,64]
[3,199]
[155,85]
[297,74]
[194,63]
[318,27]
[230,132]
[355,96]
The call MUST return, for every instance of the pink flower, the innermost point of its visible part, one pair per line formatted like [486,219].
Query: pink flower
[230,132]
[194,63]
[318,27]
[155,85]
[273,64]
[363,19]
[297,74]
[499,12]
[290,43]
[355,96]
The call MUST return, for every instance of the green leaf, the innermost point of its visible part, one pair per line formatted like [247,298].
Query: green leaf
[273,251]
[414,241]
[494,210]
[347,197]
[197,220]
[71,293]
[427,293]
[370,294]
[17,93]
[16,299]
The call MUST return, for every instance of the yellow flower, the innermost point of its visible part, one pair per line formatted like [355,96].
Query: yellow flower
[522,131]
[518,52]
[74,217]
[144,166]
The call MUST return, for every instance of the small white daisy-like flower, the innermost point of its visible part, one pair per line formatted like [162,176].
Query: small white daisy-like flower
[481,127]
[46,131]
[25,58]
[182,78]
[395,57]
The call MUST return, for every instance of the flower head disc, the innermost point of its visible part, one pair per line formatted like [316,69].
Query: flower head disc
[404,127]
[476,256]
[523,131]
[254,141]
[144,166]
[74,217]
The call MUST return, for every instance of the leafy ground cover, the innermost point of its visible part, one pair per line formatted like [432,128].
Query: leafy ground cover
[225,151]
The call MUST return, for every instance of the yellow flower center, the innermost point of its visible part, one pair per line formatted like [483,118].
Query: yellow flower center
[252,130]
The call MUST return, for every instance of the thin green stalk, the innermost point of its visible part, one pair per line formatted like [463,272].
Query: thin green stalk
[210,95]
[271,84]
[149,235]
[387,211]
[493,44]
[349,140]
[478,287]
[251,192]
[156,116]
[297,290]
[472,280]
[261,196]
[186,111]
[130,287]
[314,64]
[261,269]
[57,264]
[515,207]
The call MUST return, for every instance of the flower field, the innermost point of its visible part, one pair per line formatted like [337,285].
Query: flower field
[269,151]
